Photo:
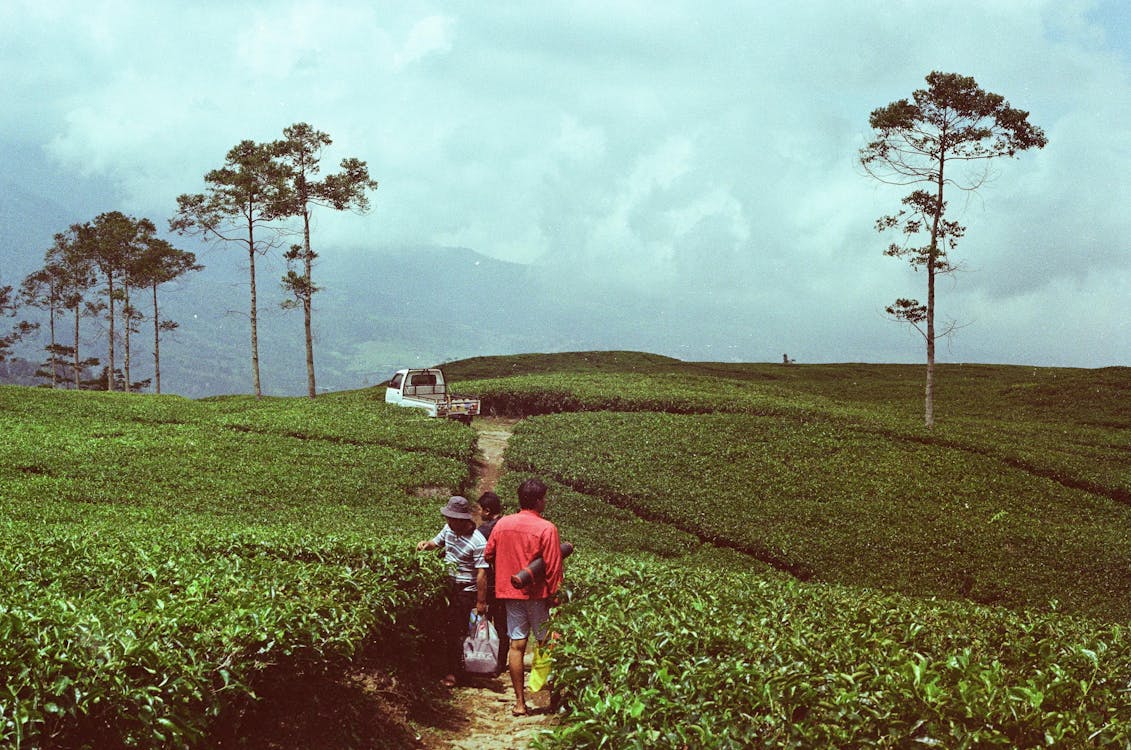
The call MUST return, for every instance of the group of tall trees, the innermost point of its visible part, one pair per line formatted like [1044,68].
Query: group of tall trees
[263,194]
[99,270]
[931,140]
[248,201]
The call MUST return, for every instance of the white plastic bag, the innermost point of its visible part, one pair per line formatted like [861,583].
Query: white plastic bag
[481,646]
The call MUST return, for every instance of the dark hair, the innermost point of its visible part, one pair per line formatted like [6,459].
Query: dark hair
[530,493]
[489,502]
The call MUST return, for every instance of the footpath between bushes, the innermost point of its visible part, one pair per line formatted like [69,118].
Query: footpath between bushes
[479,713]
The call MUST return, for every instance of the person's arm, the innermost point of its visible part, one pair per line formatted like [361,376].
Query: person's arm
[552,556]
[481,568]
[481,591]
[435,542]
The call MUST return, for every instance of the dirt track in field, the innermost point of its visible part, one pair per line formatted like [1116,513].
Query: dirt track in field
[493,436]
[480,717]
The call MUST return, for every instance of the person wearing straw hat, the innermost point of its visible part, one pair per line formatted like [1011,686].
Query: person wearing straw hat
[463,547]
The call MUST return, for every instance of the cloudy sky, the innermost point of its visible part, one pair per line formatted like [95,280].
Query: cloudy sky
[698,151]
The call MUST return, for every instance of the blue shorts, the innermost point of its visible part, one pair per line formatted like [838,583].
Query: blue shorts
[526,615]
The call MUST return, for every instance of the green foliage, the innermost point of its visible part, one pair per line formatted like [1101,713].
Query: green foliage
[666,655]
[163,557]
[838,502]
[1019,499]
[567,362]
[167,560]
[674,393]
[592,523]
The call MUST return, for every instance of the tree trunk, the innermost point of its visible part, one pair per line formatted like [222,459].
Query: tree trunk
[156,344]
[254,317]
[307,298]
[54,351]
[932,262]
[78,384]
[110,375]
[126,312]
[929,406]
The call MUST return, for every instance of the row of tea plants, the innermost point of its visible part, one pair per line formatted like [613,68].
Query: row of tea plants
[826,500]
[163,558]
[677,654]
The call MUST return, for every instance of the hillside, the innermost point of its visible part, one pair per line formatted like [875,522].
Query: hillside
[767,555]
[1100,397]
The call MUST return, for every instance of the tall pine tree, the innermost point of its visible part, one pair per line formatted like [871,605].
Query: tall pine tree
[942,137]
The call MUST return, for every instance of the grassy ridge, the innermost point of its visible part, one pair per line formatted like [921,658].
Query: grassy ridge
[1018,497]
[164,557]
[1100,397]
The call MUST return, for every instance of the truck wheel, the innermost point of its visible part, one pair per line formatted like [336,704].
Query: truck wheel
[464,419]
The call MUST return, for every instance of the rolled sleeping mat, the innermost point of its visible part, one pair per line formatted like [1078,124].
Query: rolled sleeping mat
[536,568]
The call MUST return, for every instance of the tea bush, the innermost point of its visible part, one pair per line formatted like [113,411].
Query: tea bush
[662,655]
[823,499]
[675,393]
[162,556]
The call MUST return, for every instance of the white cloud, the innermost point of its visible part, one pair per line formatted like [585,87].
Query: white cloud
[707,148]
[430,35]
[576,142]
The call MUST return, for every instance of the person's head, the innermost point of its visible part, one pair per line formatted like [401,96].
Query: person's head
[458,515]
[489,505]
[532,494]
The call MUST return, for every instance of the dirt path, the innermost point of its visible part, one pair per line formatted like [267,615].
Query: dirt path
[493,436]
[480,717]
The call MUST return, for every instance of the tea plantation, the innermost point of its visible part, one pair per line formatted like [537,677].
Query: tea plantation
[163,559]
[966,587]
[767,555]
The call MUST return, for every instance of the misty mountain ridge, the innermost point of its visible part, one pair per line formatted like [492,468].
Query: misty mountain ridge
[378,309]
[375,312]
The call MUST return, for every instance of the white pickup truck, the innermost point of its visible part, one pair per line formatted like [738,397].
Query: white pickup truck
[426,389]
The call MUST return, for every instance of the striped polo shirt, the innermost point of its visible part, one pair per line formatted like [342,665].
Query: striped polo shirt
[463,554]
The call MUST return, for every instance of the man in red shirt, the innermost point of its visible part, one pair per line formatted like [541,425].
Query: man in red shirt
[515,541]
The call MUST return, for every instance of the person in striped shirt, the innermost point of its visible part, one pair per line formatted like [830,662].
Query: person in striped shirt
[463,547]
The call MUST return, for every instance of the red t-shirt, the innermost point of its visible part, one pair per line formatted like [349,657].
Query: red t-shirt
[515,541]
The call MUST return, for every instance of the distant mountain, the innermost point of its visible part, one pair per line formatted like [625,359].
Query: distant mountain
[378,309]
[46,198]
[390,308]
[28,224]
[374,313]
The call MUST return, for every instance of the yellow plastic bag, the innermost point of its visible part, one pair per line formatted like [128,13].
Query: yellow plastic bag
[540,666]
